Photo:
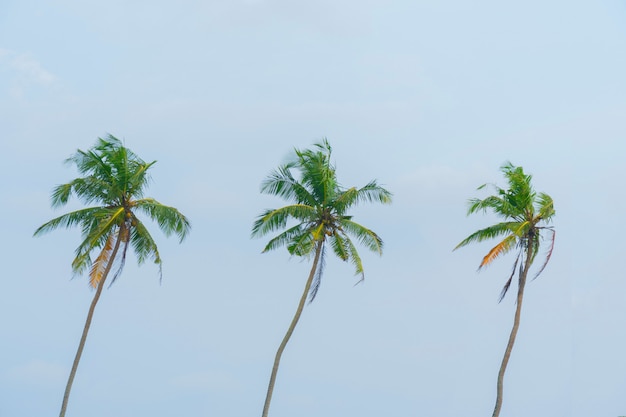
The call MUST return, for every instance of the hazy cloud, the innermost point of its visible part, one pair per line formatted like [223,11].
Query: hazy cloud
[25,72]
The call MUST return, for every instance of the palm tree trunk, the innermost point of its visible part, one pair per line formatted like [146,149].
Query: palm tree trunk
[292,326]
[83,338]
[516,320]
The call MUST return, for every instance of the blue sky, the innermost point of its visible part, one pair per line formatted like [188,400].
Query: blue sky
[429,98]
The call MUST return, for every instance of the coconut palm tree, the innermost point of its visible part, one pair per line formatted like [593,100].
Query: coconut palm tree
[115,179]
[525,215]
[319,210]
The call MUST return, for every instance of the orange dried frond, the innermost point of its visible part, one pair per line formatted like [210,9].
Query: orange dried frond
[500,249]
[100,264]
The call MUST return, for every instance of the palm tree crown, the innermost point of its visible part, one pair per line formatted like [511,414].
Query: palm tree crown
[525,213]
[319,206]
[115,178]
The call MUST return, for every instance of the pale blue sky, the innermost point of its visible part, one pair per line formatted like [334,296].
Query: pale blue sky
[429,98]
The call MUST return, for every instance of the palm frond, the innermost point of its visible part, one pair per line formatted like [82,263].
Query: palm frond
[95,234]
[68,220]
[287,237]
[490,232]
[281,183]
[317,172]
[99,265]
[143,243]
[355,259]
[120,259]
[139,178]
[545,207]
[549,254]
[365,236]
[169,219]
[500,249]
[302,245]
[370,193]
[339,246]
[508,282]
[275,219]
[319,271]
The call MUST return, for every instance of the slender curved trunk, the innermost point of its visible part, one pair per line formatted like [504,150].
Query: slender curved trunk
[83,338]
[292,326]
[516,320]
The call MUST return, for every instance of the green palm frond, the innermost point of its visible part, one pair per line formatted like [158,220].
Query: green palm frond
[371,193]
[339,245]
[545,207]
[276,219]
[144,245]
[365,236]
[496,230]
[302,244]
[355,259]
[317,172]
[95,234]
[290,235]
[170,220]
[68,220]
[281,183]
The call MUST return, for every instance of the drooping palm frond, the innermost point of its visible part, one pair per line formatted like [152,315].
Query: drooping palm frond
[548,254]
[365,236]
[99,266]
[143,244]
[169,219]
[119,261]
[508,282]
[355,259]
[317,278]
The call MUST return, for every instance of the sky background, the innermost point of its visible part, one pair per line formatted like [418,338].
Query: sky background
[429,98]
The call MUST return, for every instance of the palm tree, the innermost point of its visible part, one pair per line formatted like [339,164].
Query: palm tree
[115,179]
[525,212]
[319,208]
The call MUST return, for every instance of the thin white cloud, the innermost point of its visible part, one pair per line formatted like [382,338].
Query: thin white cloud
[25,72]
[30,68]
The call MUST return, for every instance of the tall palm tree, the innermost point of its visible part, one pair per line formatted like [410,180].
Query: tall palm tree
[115,179]
[525,213]
[319,209]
